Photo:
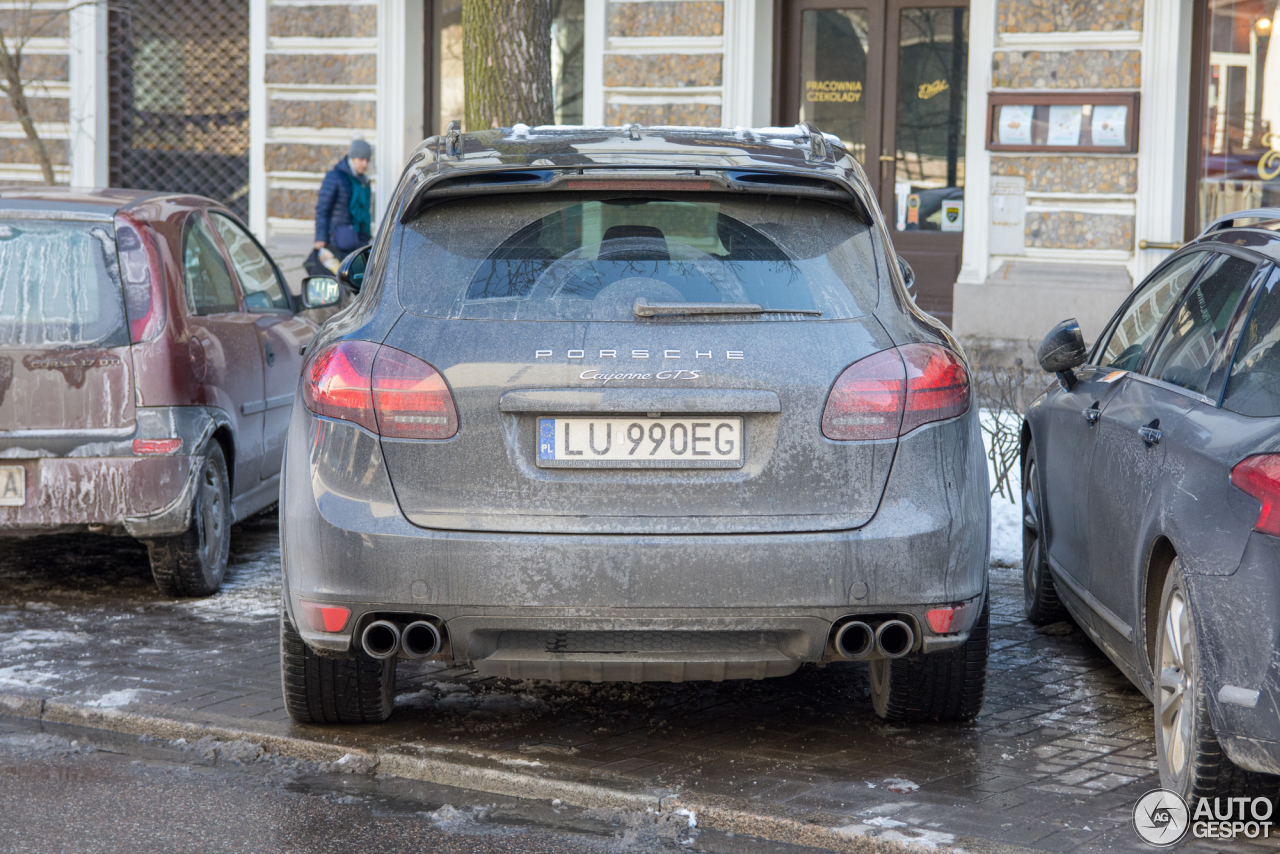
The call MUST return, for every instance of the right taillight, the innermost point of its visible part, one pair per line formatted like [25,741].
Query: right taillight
[893,392]
[1259,477]
[384,390]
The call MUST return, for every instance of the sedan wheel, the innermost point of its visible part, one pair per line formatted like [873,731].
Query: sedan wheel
[1188,755]
[1040,597]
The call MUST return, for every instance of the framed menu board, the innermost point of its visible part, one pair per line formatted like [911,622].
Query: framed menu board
[1095,122]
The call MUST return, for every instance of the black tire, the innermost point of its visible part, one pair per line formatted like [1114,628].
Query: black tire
[333,689]
[1040,597]
[195,562]
[1189,757]
[945,686]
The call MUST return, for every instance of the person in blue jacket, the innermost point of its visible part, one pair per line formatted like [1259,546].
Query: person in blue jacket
[344,211]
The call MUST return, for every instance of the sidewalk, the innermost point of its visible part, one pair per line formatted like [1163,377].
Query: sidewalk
[1061,752]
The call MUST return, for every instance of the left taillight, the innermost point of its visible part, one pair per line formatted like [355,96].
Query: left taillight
[1259,477]
[142,279]
[384,390]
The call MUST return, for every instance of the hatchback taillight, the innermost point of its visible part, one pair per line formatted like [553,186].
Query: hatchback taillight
[1259,476]
[140,274]
[382,389]
[893,392]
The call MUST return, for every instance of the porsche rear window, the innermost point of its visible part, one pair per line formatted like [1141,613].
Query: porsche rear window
[572,257]
[60,285]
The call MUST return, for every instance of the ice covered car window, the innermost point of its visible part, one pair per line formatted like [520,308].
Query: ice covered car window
[59,285]
[574,257]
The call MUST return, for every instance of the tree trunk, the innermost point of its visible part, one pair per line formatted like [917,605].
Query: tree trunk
[506,62]
[12,72]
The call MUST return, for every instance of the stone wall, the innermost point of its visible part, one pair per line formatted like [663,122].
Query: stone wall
[321,76]
[663,62]
[45,70]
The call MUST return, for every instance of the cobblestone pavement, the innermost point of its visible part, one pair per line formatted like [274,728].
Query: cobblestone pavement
[1061,752]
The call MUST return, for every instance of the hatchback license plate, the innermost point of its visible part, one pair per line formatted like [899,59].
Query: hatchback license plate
[628,442]
[13,486]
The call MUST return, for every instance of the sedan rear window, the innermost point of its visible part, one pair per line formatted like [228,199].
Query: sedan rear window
[572,257]
[59,285]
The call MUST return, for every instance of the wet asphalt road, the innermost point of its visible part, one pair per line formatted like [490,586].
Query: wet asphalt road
[1061,752]
[66,789]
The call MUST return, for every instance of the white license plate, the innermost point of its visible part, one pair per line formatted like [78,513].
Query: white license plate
[13,486]
[623,441]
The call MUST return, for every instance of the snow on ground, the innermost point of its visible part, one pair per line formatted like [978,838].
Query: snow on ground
[251,589]
[1006,515]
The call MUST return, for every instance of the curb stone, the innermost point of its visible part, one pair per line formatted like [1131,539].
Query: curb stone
[477,772]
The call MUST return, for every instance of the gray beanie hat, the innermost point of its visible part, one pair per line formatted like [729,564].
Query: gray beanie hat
[360,150]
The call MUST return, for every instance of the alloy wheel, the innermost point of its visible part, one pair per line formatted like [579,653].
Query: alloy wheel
[1031,536]
[1177,683]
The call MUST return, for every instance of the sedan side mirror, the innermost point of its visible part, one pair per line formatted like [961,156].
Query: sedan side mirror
[320,291]
[908,274]
[351,272]
[1062,351]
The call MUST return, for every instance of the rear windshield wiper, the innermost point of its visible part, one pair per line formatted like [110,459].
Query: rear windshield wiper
[644,308]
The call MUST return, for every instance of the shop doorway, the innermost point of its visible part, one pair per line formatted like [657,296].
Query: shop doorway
[888,77]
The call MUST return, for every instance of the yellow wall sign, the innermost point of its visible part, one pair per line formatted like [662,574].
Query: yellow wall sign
[928,90]
[839,91]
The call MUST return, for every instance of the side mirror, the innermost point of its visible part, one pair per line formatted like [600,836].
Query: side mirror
[908,274]
[1062,351]
[320,291]
[351,271]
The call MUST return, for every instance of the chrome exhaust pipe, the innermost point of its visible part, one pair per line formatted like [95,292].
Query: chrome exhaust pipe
[855,640]
[420,640]
[894,639]
[380,639]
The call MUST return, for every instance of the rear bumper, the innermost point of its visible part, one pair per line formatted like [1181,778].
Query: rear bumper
[1238,617]
[92,481]
[345,541]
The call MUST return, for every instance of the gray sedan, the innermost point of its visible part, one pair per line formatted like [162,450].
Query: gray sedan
[634,404]
[1151,474]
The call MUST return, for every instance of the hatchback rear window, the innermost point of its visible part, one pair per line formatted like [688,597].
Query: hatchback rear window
[573,257]
[59,285]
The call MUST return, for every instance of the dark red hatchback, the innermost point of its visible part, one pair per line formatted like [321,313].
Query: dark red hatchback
[149,352]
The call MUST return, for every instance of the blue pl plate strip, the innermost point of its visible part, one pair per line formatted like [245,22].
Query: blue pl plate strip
[546,438]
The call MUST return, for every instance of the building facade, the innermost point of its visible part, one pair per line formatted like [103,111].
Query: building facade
[1035,158]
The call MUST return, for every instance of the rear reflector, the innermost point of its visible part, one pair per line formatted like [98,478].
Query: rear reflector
[384,390]
[156,446]
[951,619]
[141,277]
[893,392]
[411,399]
[1259,476]
[325,618]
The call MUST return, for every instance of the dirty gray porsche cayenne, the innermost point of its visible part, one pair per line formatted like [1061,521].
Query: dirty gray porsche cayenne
[634,404]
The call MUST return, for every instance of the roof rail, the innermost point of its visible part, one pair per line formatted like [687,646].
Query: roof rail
[817,142]
[453,139]
[1228,221]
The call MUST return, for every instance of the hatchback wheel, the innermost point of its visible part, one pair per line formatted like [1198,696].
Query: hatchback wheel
[333,689]
[1040,597]
[194,562]
[1188,755]
[945,686]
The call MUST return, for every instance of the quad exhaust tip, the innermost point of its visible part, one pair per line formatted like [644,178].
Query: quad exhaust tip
[380,639]
[855,640]
[894,639]
[420,639]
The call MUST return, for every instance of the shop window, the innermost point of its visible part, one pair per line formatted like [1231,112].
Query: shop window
[1239,158]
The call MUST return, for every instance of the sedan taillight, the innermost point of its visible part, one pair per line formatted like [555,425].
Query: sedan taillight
[893,392]
[382,389]
[1259,476]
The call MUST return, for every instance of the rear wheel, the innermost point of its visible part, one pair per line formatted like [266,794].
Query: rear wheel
[1040,597]
[194,562]
[945,686]
[333,689]
[1188,755]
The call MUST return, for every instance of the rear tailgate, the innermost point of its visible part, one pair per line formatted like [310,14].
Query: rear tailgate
[774,376]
